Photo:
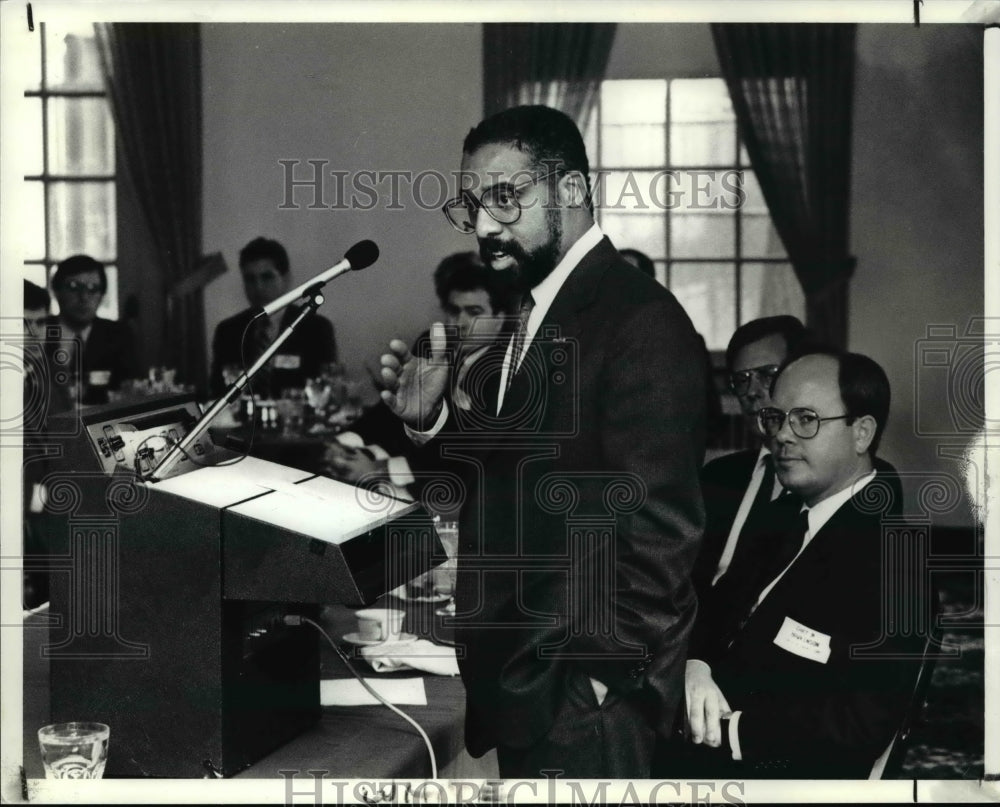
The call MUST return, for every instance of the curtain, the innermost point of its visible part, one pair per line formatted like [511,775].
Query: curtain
[153,77]
[792,91]
[557,64]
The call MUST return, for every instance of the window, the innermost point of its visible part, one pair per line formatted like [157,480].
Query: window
[671,179]
[70,177]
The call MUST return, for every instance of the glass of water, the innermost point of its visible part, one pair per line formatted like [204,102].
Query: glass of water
[74,750]
[444,575]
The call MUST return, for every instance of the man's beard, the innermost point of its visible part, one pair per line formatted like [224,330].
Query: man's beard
[530,268]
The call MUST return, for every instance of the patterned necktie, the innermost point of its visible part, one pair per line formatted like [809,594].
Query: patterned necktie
[519,338]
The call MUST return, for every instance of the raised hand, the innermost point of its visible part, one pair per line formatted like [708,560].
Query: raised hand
[414,387]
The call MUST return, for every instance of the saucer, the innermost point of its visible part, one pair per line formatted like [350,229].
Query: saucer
[425,598]
[355,638]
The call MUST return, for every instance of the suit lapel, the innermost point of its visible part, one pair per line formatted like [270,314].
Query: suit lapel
[560,322]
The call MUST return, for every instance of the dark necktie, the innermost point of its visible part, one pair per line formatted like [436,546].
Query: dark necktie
[774,552]
[519,338]
[786,548]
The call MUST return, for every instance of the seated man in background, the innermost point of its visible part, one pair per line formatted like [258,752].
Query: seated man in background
[36,312]
[102,351]
[264,268]
[737,486]
[776,686]
[476,302]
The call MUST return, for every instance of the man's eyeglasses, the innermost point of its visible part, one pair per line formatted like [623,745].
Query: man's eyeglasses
[500,201]
[79,287]
[803,422]
[740,381]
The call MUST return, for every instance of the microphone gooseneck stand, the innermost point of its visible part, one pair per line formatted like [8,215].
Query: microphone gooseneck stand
[172,457]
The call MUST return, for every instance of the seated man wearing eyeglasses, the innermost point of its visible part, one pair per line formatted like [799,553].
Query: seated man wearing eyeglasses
[93,354]
[794,670]
[736,487]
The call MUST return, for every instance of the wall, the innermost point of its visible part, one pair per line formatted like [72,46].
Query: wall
[402,96]
[916,221]
[361,97]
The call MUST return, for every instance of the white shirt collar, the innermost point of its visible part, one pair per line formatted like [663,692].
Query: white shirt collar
[823,511]
[546,291]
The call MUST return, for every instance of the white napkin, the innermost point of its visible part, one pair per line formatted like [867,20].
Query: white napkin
[412,654]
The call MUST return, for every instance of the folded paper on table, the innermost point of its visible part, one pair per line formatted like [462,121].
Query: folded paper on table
[416,654]
[349,692]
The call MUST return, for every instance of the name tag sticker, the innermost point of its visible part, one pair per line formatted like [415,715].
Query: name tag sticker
[802,641]
[287,361]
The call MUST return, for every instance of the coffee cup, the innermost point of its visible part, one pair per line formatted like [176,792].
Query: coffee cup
[379,624]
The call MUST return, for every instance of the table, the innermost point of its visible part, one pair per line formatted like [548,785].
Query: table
[348,742]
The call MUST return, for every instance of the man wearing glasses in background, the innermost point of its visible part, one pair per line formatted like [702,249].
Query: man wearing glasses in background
[737,487]
[98,353]
[571,640]
[777,685]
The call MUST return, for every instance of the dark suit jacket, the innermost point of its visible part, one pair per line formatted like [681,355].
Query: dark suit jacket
[583,513]
[724,481]
[310,346]
[110,348]
[803,718]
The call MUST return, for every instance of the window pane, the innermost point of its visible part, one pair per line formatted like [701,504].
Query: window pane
[754,197]
[36,274]
[33,219]
[29,139]
[760,239]
[702,235]
[642,231]
[109,306]
[82,219]
[31,71]
[769,289]
[637,191]
[633,144]
[702,143]
[643,101]
[708,293]
[699,100]
[81,136]
[744,157]
[71,59]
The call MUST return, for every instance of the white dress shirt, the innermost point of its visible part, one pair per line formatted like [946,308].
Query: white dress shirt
[544,294]
[756,479]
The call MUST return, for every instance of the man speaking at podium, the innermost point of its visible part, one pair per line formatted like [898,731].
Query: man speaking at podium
[582,513]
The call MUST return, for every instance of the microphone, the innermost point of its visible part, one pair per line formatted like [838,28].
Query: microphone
[363,254]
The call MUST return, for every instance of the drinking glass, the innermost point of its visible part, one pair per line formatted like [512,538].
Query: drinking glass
[74,750]
[444,575]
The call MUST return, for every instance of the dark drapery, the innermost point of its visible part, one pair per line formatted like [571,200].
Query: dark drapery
[792,91]
[557,64]
[153,76]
